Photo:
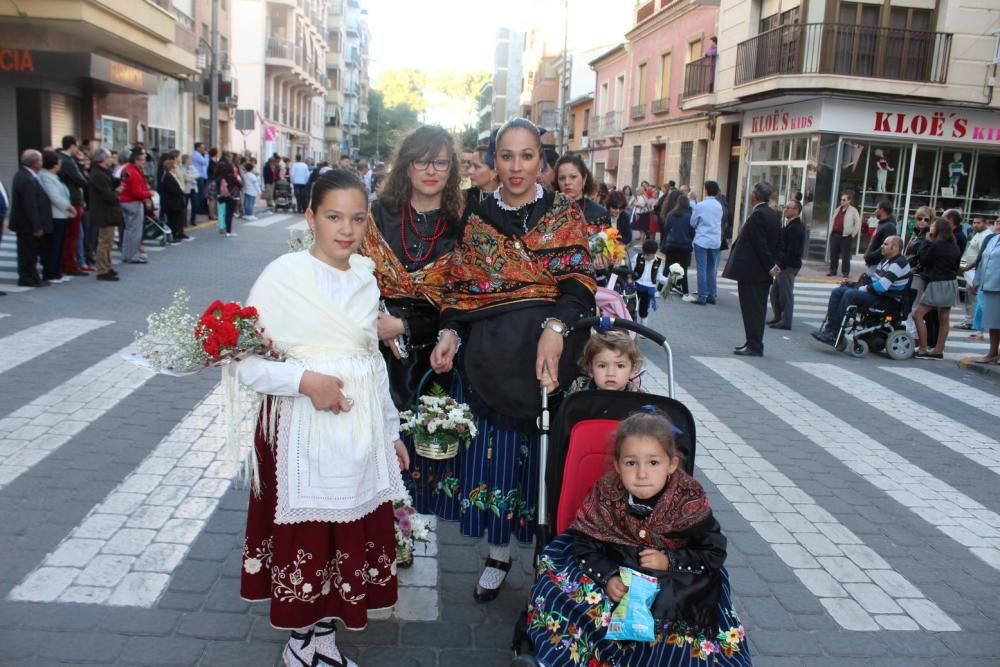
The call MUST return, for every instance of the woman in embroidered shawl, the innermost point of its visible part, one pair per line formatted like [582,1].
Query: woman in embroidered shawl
[415,222]
[319,542]
[519,277]
[649,515]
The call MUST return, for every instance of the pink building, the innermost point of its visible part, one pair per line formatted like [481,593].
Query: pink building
[660,140]
[608,110]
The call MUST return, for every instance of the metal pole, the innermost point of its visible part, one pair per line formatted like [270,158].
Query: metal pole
[565,80]
[378,130]
[213,99]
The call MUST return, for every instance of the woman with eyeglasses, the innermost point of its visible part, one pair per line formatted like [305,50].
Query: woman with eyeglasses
[520,277]
[918,239]
[414,223]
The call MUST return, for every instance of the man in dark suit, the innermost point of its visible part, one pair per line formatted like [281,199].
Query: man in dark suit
[793,241]
[886,228]
[752,263]
[30,218]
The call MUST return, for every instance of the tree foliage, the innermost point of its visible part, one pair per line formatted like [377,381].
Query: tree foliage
[403,87]
[386,126]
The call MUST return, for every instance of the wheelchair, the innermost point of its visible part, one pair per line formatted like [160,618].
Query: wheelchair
[881,326]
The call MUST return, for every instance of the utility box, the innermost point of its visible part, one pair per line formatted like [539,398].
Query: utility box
[245,120]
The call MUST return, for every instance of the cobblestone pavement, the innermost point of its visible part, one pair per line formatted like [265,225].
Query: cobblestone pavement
[859,496]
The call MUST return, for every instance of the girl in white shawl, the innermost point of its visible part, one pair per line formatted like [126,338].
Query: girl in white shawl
[320,538]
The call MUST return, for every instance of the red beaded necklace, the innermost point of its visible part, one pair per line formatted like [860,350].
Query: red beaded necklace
[440,225]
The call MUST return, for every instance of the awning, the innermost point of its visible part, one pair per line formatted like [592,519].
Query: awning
[23,65]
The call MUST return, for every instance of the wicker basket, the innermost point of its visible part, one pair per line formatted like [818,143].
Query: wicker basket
[436,448]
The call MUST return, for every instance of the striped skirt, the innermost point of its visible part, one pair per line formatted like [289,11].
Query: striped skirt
[490,488]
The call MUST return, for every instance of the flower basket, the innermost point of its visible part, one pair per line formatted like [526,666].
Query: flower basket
[404,555]
[438,423]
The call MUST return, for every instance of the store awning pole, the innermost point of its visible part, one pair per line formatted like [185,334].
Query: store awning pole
[905,224]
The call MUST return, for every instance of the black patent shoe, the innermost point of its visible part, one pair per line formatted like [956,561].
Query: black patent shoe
[489,594]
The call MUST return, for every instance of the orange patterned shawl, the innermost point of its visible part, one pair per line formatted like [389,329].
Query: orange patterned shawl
[489,268]
[394,281]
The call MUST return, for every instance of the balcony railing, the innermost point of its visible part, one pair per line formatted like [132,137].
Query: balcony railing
[280,48]
[661,105]
[611,123]
[595,126]
[699,77]
[851,50]
[638,111]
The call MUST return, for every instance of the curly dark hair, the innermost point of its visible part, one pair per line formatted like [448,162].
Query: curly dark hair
[425,142]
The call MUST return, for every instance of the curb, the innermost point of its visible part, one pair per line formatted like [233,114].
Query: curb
[989,370]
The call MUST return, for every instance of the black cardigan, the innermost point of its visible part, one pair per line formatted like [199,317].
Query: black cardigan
[939,261]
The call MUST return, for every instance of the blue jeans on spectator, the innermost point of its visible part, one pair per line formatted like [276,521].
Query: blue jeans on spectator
[840,299]
[706,260]
[248,203]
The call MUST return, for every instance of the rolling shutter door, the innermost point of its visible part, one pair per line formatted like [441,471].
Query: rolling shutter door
[63,115]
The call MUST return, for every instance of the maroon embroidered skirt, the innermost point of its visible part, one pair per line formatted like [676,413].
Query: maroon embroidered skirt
[315,570]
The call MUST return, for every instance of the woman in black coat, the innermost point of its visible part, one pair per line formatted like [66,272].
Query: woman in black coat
[172,202]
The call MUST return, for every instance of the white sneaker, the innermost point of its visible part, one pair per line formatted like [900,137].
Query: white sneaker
[231,234]
[688,298]
[64,279]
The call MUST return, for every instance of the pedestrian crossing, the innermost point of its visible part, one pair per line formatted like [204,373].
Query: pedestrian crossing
[132,540]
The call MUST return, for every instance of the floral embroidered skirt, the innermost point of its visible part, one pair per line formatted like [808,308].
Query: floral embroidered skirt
[568,616]
[315,570]
[490,488]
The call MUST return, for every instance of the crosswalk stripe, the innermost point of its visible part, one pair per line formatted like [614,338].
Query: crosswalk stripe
[941,505]
[954,435]
[34,431]
[3,315]
[974,398]
[125,550]
[856,586]
[25,345]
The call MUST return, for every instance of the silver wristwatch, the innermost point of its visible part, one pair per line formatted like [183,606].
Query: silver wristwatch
[556,325]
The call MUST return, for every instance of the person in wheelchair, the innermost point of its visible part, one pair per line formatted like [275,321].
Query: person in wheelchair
[890,279]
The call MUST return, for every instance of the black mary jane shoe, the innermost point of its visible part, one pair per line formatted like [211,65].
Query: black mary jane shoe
[489,594]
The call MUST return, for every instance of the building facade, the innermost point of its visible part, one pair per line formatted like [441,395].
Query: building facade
[113,73]
[284,82]
[578,126]
[868,98]
[660,140]
[611,70]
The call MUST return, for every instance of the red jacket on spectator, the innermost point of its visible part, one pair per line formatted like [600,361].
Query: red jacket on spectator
[135,185]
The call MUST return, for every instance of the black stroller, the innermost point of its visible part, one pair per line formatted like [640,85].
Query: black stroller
[281,198]
[574,454]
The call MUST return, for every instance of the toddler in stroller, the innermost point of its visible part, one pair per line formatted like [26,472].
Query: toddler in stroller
[645,512]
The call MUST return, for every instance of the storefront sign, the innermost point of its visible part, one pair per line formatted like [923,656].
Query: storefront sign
[16,60]
[63,65]
[787,119]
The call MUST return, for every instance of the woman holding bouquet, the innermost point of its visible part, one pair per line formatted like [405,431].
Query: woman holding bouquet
[520,276]
[573,179]
[326,456]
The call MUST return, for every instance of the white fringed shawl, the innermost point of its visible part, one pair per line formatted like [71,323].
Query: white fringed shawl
[329,467]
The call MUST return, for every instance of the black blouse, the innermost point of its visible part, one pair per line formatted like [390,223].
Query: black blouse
[390,224]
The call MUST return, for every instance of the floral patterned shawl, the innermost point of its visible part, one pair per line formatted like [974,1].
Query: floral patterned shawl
[394,281]
[490,268]
[604,514]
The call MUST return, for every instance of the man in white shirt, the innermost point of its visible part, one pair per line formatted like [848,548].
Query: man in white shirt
[706,219]
[300,183]
[980,230]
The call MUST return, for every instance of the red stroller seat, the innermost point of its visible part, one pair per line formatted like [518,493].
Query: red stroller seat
[588,458]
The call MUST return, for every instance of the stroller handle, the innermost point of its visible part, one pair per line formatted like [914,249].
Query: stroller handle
[609,322]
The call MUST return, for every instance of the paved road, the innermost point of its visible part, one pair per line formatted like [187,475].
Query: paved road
[859,496]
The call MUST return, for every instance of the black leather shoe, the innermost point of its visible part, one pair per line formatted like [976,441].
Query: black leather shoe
[779,325]
[108,276]
[489,594]
[747,352]
[741,347]
[830,273]
[710,302]
[772,322]
[824,337]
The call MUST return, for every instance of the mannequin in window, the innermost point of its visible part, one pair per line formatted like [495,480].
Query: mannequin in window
[882,170]
[956,170]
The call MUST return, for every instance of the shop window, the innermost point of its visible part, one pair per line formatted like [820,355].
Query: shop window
[986,191]
[799,148]
[161,139]
[687,149]
[115,133]
[770,150]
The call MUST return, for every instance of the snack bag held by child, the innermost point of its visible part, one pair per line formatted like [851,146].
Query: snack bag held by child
[632,619]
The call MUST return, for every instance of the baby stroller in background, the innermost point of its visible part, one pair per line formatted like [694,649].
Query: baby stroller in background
[281,198]
[576,454]
[153,229]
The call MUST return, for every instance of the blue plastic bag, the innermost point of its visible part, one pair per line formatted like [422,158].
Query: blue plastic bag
[632,619]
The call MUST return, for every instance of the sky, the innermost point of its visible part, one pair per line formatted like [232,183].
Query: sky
[459,34]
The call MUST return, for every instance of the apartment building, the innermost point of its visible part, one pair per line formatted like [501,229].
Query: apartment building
[279,59]
[578,124]
[884,99]
[611,69]
[333,116]
[113,72]
[662,141]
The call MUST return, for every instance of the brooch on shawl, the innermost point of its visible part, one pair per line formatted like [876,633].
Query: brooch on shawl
[363,262]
